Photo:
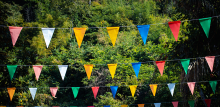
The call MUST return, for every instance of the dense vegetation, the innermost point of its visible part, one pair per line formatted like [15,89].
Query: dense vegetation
[97,48]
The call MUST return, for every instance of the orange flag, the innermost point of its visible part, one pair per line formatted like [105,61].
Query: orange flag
[11,92]
[88,69]
[160,65]
[153,88]
[140,105]
[124,105]
[113,33]
[112,69]
[79,33]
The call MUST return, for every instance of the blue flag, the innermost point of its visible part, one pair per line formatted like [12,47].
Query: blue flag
[136,67]
[114,90]
[143,29]
[107,106]
[157,104]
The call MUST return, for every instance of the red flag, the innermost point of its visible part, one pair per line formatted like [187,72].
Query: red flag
[175,103]
[160,65]
[208,102]
[175,27]
[95,91]
[15,32]
[210,60]
[53,91]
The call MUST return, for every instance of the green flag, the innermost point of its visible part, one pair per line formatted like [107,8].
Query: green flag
[11,70]
[191,103]
[213,85]
[75,91]
[205,23]
[185,64]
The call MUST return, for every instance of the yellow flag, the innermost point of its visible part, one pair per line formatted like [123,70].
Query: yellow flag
[124,105]
[133,89]
[79,33]
[112,68]
[88,69]
[153,88]
[113,33]
[11,92]
[140,105]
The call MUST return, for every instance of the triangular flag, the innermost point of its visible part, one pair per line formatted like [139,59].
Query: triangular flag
[113,33]
[157,104]
[185,64]
[210,60]
[136,67]
[37,70]
[79,33]
[191,86]
[191,103]
[208,102]
[153,88]
[11,92]
[112,69]
[48,33]
[33,92]
[143,30]
[175,103]
[53,91]
[107,106]
[124,105]
[75,91]
[205,23]
[133,89]
[175,28]
[213,85]
[160,66]
[171,87]
[62,69]
[114,90]
[95,91]
[90,106]
[15,32]
[88,69]
[11,70]
[140,105]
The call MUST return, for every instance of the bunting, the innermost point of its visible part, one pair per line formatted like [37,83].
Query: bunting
[113,33]
[88,69]
[153,88]
[33,92]
[185,64]
[191,86]
[171,87]
[79,33]
[213,85]
[175,27]
[136,67]
[53,91]
[37,70]
[63,69]
[95,91]
[48,33]
[114,90]
[205,23]
[140,105]
[75,91]
[133,89]
[112,69]
[208,102]
[143,30]
[210,60]
[175,103]
[157,104]
[11,70]
[160,65]
[191,103]
[15,32]
[11,92]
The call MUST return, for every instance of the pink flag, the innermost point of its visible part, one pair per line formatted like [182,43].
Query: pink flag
[208,102]
[210,60]
[160,65]
[175,103]
[37,70]
[175,27]
[15,32]
[53,91]
[95,91]
[191,86]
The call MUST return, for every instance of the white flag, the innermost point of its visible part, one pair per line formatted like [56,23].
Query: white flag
[48,33]
[157,104]
[63,69]
[171,87]
[33,92]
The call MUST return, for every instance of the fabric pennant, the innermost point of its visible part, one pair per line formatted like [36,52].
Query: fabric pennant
[53,91]
[140,105]
[112,69]
[107,106]
[208,102]
[124,105]
[157,104]
[15,32]
[79,33]
[175,103]
[171,87]
[205,23]
[37,70]
[90,106]
[153,88]
[95,91]
[48,33]
[11,70]
[114,90]
[133,89]
[185,64]
[33,92]
[143,30]
[75,91]
[113,33]
[191,103]
[191,86]
[175,28]
[63,69]
[210,60]
[136,67]
[213,85]
[11,92]
[88,69]
[160,65]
